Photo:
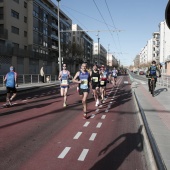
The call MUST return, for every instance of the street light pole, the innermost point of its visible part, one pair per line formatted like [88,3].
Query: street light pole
[59,48]
[98,51]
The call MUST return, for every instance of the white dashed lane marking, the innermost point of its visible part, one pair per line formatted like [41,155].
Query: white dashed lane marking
[77,135]
[83,154]
[99,125]
[86,124]
[103,117]
[64,152]
[92,136]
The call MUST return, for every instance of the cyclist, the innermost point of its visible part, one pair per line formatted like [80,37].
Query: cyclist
[114,75]
[152,72]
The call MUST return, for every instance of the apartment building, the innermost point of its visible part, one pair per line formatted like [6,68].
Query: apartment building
[29,35]
[82,47]
[99,54]
[111,60]
[156,46]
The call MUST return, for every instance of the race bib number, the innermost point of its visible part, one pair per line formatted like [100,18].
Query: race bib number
[114,74]
[84,82]
[95,79]
[102,83]
[64,82]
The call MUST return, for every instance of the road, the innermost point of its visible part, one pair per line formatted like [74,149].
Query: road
[37,133]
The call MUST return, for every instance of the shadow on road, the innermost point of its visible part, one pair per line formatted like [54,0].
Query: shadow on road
[114,158]
[158,91]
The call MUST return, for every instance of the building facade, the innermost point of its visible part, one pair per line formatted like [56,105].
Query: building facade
[29,35]
[82,47]
[112,61]
[99,54]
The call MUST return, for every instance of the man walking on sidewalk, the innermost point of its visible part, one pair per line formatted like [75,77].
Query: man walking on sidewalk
[42,74]
[11,80]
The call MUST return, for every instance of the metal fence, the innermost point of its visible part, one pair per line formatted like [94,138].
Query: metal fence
[164,81]
[29,79]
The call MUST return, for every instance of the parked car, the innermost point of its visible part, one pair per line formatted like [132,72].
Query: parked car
[141,73]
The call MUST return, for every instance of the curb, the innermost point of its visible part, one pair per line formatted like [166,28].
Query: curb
[157,156]
[26,89]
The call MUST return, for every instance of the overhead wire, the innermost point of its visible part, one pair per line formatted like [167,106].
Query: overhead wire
[87,16]
[113,23]
[104,21]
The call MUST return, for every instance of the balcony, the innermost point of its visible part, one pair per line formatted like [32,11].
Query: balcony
[54,47]
[55,26]
[54,37]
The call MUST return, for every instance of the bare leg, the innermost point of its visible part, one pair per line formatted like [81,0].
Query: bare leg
[84,99]
[65,95]
[13,96]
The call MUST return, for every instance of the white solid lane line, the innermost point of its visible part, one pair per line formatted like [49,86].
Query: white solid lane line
[83,155]
[92,137]
[64,152]
[77,135]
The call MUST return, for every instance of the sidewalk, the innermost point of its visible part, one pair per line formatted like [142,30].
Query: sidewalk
[29,86]
[157,113]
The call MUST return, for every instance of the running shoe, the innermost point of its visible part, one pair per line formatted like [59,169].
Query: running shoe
[97,102]
[77,89]
[64,105]
[85,116]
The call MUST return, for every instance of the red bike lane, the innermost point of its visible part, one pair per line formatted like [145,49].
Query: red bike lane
[52,137]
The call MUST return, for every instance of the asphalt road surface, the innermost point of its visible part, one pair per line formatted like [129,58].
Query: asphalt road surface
[37,133]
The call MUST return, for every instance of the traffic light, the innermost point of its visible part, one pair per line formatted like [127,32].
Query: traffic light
[167,14]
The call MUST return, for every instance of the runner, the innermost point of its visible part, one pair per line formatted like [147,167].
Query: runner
[64,83]
[95,76]
[114,76]
[84,88]
[11,83]
[103,82]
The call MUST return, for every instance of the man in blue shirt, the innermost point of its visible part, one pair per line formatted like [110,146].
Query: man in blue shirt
[11,80]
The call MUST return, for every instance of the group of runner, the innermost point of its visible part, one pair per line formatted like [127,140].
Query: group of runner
[96,79]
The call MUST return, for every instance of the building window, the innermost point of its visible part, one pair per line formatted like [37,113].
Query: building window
[17,1]
[25,33]
[15,30]
[25,5]
[45,17]
[25,19]
[14,14]
[36,11]
[1,13]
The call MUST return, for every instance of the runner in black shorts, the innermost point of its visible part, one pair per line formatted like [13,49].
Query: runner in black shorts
[95,84]
[103,82]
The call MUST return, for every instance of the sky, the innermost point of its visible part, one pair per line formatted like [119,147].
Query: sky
[124,26]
